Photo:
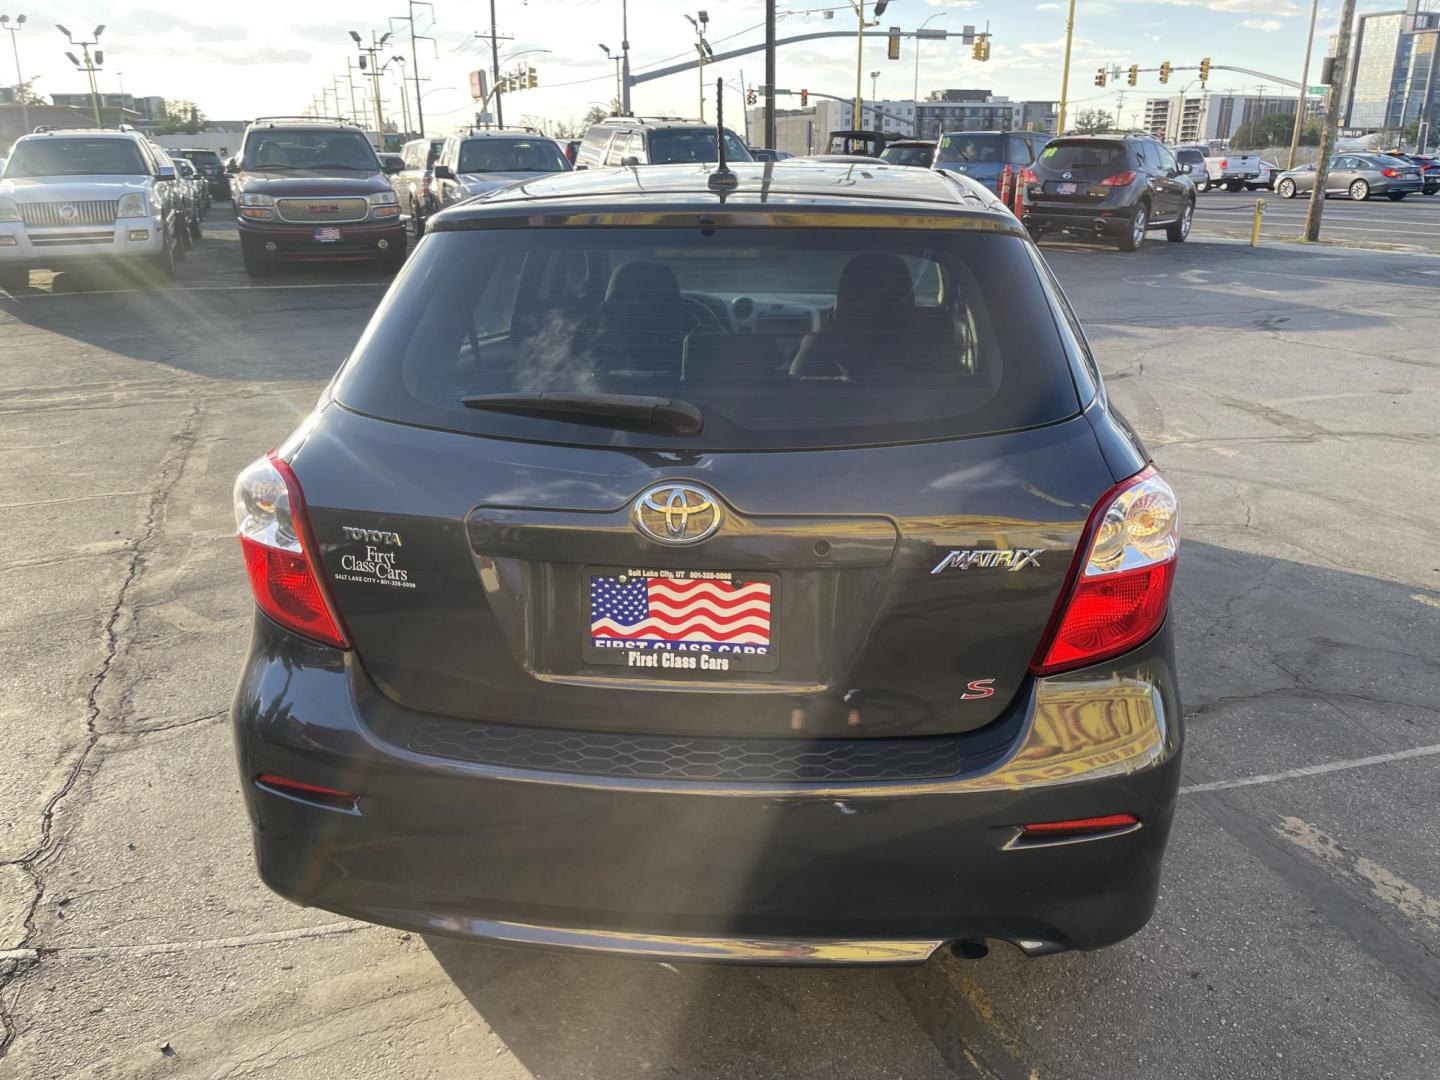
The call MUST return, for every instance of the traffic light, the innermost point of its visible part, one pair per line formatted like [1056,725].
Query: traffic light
[1204,69]
[804,98]
[1134,74]
[750,97]
[893,50]
[1165,71]
[981,50]
[532,80]
[1100,77]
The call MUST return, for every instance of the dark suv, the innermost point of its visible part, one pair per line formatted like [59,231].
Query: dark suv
[314,190]
[209,165]
[745,566]
[1114,186]
[641,140]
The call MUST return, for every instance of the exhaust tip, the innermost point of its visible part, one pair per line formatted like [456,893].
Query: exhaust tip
[970,950]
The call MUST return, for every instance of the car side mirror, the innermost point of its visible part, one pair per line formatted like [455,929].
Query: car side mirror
[443,172]
[630,161]
[392,166]
[231,168]
[165,172]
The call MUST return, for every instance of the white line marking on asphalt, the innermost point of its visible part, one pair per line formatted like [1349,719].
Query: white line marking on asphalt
[163,948]
[1312,770]
[1426,599]
[205,288]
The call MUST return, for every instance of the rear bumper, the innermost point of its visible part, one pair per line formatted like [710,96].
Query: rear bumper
[1098,220]
[755,872]
[50,247]
[297,243]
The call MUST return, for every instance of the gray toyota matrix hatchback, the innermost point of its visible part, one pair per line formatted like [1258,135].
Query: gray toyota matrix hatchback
[719,565]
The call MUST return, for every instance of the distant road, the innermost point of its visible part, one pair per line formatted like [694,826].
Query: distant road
[1413,222]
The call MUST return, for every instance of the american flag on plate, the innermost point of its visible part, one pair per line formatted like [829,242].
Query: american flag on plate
[654,609]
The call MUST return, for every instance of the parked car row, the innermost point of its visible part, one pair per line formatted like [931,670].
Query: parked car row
[1360,176]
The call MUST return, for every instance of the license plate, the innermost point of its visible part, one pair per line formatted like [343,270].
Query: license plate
[681,623]
[1066,189]
[329,234]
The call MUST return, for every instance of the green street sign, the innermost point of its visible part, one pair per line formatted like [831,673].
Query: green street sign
[1318,91]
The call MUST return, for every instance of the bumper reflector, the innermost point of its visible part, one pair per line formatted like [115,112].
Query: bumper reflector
[1091,826]
[324,796]
[139,234]
[8,241]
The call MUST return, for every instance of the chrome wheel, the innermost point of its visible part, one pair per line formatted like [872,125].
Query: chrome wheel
[1359,191]
[1286,189]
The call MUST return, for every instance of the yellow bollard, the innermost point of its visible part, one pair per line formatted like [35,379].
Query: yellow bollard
[1255,227]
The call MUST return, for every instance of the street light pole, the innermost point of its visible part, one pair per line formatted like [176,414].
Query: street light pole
[90,66]
[857,120]
[19,78]
[1304,87]
[619,92]
[625,57]
[1332,122]
[1065,72]
[915,96]
[875,96]
[702,47]
[770,74]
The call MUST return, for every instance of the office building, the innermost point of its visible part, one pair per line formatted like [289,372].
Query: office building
[803,131]
[1395,69]
[1213,117]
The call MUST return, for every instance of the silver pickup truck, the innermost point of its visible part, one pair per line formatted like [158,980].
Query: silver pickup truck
[79,197]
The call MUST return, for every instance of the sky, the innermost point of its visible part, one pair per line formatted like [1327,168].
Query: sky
[272,56]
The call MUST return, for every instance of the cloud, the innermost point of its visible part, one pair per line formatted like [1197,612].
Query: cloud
[243,56]
[1047,7]
[1268,25]
[158,22]
[1284,8]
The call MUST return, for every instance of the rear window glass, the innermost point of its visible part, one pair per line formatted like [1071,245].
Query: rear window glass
[76,157]
[782,338]
[1083,155]
[202,157]
[670,146]
[1190,156]
[908,155]
[511,155]
[971,149]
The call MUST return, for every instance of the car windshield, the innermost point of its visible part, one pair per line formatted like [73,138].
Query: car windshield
[76,157]
[286,150]
[1083,155]
[970,149]
[511,155]
[781,337]
[670,146]
[203,157]
[908,155]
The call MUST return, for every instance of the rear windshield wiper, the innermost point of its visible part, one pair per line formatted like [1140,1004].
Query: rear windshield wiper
[680,417]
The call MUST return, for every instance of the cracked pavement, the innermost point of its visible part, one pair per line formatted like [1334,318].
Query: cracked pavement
[1291,396]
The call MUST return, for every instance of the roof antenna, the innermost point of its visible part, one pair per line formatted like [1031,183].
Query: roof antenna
[722,179]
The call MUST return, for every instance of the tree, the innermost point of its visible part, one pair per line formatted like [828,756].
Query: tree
[181,116]
[1272,129]
[1090,121]
[25,95]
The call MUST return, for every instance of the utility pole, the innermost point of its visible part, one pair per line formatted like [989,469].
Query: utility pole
[619,93]
[415,58]
[770,74]
[14,29]
[1065,71]
[1332,122]
[625,57]
[90,66]
[1304,86]
[495,68]
[857,120]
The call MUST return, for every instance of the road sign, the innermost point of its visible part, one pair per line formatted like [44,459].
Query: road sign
[1318,91]
[927,34]
[477,85]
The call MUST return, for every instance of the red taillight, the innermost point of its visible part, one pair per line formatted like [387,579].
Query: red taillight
[1121,179]
[1054,830]
[1118,589]
[278,546]
[1224,163]
[1388,172]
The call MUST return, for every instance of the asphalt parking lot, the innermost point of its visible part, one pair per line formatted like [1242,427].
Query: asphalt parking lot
[1412,224]
[1289,394]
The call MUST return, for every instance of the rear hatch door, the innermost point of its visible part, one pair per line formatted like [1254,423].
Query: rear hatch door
[1070,170]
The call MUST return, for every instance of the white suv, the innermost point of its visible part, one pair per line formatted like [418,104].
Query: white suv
[76,197]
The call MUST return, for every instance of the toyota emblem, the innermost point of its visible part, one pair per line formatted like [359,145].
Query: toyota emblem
[677,513]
